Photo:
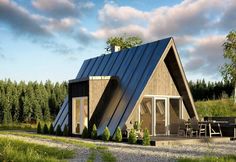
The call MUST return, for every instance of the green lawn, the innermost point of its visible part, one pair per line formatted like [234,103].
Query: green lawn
[94,149]
[223,107]
[20,151]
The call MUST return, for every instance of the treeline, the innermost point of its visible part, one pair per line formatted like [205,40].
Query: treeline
[211,90]
[30,102]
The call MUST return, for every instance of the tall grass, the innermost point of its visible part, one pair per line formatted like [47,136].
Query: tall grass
[217,108]
[15,150]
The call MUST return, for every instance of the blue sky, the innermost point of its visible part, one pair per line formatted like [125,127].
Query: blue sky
[49,39]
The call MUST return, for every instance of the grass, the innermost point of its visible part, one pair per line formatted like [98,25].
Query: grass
[94,149]
[16,150]
[18,126]
[223,107]
[228,158]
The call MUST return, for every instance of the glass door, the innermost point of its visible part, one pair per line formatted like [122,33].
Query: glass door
[160,116]
[79,114]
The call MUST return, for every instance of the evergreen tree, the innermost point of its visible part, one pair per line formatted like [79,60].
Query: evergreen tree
[65,131]
[94,132]
[45,129]
[146,137]
[132,139]
[39,129]
[51,129]
[58,130]
[85,133]
[106,134]
[118,135]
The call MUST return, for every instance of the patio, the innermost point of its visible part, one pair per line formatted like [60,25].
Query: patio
[177,140]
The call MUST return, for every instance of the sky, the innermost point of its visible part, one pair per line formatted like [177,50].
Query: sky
[50,39]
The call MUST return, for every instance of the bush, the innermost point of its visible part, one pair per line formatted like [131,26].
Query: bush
[106,134]
[85,133]
[94,132]
[65,131]
[118,135]
[51,129]
[45,129]
[39,129]
[132,137]
[58,130]
[146,137]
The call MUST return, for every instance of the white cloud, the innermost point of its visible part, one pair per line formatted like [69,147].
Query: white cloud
[62,8]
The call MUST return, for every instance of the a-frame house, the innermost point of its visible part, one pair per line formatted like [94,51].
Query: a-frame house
[145,84]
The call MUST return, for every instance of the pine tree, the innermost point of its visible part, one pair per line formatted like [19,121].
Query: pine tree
[45,129]
[39,129]
[58,130]
[118,135]
[106,134]
[132,137]
[94,132]
[85,133]
[65,131]
[146,137]
[51,129]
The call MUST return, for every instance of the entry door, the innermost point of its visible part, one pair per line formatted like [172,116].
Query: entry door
[79,114]
[160,116]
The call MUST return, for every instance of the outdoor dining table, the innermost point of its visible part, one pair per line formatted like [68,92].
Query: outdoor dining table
[208,124]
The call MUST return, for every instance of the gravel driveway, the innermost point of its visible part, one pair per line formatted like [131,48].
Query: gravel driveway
[125,152]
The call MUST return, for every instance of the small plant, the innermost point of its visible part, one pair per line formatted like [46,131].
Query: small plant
[94,132]
[58,130]
[65,131]
[45,129]
[85,133]
[106,134]
[137,125]
[39,129]
[146,137]
[132,137]
[51,129]
[118,135]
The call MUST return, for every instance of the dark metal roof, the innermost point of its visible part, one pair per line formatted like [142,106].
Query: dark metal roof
[133,67]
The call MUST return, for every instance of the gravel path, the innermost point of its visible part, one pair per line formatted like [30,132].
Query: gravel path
[136,153]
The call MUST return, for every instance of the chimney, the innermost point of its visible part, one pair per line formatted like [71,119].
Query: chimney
[115,48]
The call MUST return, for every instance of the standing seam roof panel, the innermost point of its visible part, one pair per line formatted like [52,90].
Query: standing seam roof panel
[96,65]
[102,65]
[89,68]
[82,69]
[123,66]
[147,74]
[109,65]
[129,90]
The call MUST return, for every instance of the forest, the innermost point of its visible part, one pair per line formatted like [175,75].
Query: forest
[32,101]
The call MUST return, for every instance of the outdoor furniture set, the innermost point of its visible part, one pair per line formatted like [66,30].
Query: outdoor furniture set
[199,128]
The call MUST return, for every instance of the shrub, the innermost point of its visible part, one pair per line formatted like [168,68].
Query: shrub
[51,129]
[85,133]
[146,137]
[132,137]
[65,131]
[106,134]
[94,132]
[45,129]
[39,129]
[118,135]
[58,130]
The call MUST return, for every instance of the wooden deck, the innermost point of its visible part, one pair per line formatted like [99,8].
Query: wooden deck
[175,140]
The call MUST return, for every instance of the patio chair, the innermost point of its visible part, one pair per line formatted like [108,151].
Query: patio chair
[182,130]
[197,128]
[194,127]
